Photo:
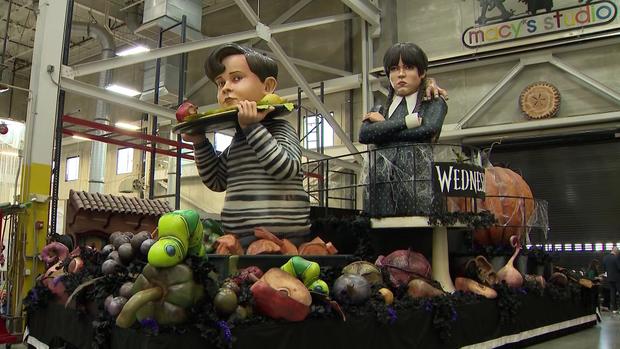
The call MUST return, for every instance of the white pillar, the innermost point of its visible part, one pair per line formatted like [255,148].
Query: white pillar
[39,141]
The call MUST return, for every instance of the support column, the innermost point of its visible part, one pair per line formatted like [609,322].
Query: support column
[40,126]
[440,260]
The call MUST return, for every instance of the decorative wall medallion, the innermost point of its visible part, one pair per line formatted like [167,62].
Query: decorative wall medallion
[540,100]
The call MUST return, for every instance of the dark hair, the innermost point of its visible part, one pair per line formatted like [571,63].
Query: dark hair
[411,54]
[259,64]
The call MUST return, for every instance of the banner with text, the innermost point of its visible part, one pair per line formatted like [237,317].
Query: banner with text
[458,179]
[570,18]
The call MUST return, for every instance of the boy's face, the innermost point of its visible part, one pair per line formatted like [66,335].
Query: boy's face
[405,79]
[239,83]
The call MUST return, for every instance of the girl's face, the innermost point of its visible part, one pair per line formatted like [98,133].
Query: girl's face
[238,83]
[405,79]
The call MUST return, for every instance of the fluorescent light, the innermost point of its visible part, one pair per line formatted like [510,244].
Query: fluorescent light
[122,90]
[133,50]
[8,153]
[81,138]
[3,89]
[127,126]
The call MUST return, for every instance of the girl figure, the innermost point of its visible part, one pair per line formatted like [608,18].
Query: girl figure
[400,182]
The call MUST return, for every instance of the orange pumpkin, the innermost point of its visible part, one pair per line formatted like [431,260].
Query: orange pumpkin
[510,199]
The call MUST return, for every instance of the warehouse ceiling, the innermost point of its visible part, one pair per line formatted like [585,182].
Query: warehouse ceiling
[219,17]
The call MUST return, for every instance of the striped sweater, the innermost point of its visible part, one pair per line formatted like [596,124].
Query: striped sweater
[261,174]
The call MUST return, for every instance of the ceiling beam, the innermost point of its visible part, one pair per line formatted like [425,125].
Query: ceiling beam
[495,132]
[216,8]
[308,64]
[330,86]
[365,9]
[89,90]
[117,62]
[297,76]
[284,17]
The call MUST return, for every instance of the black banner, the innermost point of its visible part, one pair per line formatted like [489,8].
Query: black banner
[458,179]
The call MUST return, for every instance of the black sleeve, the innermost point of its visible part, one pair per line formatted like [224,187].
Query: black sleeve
[432,120]
[380,132]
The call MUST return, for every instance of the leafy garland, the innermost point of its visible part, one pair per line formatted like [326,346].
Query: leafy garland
[482,219]
[350,233]
[509,302]
[37,298]
[538,255]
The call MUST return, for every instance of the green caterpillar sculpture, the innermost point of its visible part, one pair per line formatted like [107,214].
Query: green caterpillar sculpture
[180,233]
[308,272]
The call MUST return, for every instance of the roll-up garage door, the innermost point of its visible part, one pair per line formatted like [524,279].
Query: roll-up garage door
[581,181]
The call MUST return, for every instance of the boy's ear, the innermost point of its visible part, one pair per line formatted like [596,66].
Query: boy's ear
[270,84]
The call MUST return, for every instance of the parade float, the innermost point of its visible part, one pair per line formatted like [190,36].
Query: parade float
[188,283]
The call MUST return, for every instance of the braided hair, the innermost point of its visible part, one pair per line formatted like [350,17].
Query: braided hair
[411,54]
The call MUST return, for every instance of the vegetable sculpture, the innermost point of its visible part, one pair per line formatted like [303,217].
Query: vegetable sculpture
[308,272]
[162,294]
[509,198]
[509,273]
[189,111]
[280,295]
[180,233]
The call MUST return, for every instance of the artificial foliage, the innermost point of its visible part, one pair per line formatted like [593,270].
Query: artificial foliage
[37,298]
[482,219]
[509,302]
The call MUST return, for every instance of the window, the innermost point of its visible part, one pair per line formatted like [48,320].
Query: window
[313,131]
[73,168]
[222,141]
[124,161]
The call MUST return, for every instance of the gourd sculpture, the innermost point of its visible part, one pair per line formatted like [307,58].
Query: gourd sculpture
[509,273]
[163,294]
[180,233]
[366,269]
[268,243]
[510,200]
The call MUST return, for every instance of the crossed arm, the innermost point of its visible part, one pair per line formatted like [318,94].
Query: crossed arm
[396,130]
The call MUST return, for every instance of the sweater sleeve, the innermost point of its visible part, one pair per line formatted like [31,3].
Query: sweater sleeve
[277,148]
[213,169]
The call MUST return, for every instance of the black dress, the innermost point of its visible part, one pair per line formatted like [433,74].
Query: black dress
[399,167]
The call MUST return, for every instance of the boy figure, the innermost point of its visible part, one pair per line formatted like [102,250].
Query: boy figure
[261,169]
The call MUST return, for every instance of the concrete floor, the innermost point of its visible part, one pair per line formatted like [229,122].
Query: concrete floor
[605,335]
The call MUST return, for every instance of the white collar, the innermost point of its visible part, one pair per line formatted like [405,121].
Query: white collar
[412,101]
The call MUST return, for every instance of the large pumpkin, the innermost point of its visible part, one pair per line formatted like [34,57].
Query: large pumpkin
[510,199]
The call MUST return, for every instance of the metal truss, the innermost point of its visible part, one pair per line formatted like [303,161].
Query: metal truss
[531,60]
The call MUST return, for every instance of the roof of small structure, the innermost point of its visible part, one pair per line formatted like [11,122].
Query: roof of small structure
[97,202]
